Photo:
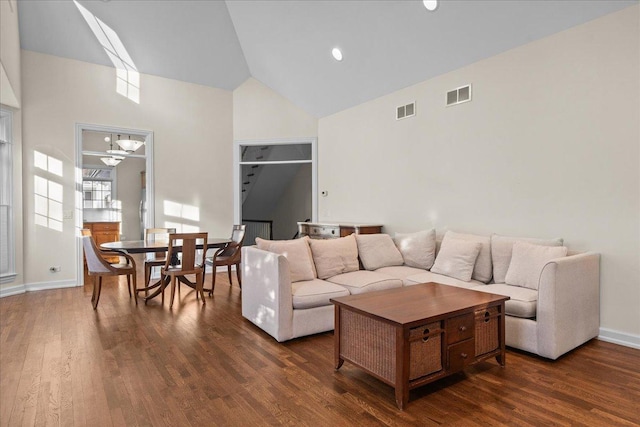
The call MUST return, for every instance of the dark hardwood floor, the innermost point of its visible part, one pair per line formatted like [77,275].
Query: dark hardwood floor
[62,363]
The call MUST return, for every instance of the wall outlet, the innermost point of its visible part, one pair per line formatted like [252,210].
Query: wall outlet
[55,269]
[67,215]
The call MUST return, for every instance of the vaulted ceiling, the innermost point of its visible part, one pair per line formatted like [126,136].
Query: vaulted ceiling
[286,45]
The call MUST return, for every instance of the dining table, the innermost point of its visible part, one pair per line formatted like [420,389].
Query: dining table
[143,246]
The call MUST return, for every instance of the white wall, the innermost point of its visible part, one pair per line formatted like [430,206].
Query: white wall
[261,113]
[11,97]
[548,147]
[192,127]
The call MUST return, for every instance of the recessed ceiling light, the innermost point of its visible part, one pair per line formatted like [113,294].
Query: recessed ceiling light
[337,54]
[431,5]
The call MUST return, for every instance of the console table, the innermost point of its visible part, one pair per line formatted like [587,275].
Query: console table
[323,230]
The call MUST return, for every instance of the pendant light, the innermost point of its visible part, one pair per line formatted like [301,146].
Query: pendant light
[115,158]
[129,145]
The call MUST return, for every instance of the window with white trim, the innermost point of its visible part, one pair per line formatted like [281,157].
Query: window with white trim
[7,237]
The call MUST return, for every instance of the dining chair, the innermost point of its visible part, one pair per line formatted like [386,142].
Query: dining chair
[99,267]
[183,246]
[155,259]
[229,255]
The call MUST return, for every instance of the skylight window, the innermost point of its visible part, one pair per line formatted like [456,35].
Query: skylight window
[127,76]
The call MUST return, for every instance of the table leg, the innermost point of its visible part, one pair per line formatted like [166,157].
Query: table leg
[336,336]
[402,368]
[160,284]
[501,358]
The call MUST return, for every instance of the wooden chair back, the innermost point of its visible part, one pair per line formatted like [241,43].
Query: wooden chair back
[96,264]
[230,255]
[232,250]
[157,235]
[186,244]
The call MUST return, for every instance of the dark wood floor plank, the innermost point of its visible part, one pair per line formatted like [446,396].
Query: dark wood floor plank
[62,363]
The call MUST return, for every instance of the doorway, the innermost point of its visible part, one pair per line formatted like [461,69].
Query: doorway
[275,186]
[113,185]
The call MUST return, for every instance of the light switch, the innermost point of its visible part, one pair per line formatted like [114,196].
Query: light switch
[67,215]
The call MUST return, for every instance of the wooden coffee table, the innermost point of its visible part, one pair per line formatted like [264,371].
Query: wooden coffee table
[411,336]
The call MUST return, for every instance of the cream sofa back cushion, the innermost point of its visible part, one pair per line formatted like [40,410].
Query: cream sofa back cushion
[456,259]
[482,270]
[501,247]
[334,256]
[297,253]
[527,262]
[417,249]
[377,251]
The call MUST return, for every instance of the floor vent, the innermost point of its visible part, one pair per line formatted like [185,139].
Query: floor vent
[405,111]
[459,95]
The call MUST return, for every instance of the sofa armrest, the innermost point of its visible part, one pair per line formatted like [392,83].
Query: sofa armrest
[267,300]
[568,311]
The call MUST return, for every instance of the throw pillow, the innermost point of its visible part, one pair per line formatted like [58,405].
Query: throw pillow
[417,249]
[527,262]
[297,253]
[456,258]
[482,270]
[334,256]
[377,251]
[501,247]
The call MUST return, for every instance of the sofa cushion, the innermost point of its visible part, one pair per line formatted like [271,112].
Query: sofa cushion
[482,270]
[334,256]
[456,258]
[417,249]
[428,276]
[377,251]
[501,247]
[361,281]
[401,272]
[315,293]
[523,302]
[298,255]
[527,262]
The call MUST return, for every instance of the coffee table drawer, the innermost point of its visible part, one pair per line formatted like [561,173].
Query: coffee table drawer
[460,328]
[461,355]
[425,344]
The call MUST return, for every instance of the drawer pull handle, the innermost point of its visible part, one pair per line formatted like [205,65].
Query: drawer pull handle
[463,355]
[486,316]
[425,335]
[463,328]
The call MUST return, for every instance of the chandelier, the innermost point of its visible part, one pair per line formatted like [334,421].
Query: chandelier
[116,155]
[129,145]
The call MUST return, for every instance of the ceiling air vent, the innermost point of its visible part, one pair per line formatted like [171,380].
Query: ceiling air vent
[459,95]
[405,111]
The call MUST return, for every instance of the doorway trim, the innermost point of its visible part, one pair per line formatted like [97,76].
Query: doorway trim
[150,215]
[237,207]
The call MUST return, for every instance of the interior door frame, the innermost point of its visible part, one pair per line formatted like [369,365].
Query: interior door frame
[237,170]
[150,191]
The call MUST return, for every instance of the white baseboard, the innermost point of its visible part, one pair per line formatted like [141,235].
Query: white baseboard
[43,286]
[12,290]
[622,338]
[38,286]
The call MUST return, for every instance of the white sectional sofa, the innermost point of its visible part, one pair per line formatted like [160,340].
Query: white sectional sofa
[554,295]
